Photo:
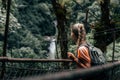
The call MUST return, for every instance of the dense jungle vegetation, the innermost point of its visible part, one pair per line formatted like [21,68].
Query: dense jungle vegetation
[32,22]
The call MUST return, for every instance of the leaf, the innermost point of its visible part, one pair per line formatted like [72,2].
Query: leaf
[62,2]
[100,1]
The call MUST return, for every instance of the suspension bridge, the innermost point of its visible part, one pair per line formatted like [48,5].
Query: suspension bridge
[51,69]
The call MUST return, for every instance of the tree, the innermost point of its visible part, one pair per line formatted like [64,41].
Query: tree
[101,39]
[60,13]
[106,31]
[104,4]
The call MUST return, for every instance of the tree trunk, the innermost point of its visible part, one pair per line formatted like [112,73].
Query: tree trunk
[105,13]
[101,38]
[60,13]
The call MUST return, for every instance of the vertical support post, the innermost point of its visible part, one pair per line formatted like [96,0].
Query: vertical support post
[113,53]
[87,10]
[57,56]
[5,38]
[86,22]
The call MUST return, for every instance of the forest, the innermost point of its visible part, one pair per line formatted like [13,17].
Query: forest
[40,29]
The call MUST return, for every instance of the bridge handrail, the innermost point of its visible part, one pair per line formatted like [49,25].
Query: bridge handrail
[7,59]
[76,74]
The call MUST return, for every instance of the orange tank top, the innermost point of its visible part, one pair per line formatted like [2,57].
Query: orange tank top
[84,58]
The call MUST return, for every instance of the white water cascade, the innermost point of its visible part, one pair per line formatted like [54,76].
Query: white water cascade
[52,49]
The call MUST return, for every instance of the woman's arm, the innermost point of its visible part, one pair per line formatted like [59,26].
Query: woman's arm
[77,60]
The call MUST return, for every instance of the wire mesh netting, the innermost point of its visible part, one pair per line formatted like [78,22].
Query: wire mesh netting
[22,70]
[19,70]
[108,73]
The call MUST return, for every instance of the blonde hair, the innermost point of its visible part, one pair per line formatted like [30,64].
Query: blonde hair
[79,32]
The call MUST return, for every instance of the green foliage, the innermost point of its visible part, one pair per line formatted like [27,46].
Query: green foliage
[24,40]
[110,51]
[1,48]
[36,16]
[23,52]
[100,1]
[2,26]
[36,20]
[62,2]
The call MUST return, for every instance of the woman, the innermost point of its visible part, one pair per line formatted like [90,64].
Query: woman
[82,58]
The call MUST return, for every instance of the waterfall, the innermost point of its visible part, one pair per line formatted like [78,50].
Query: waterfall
[52,46]
[52,49]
